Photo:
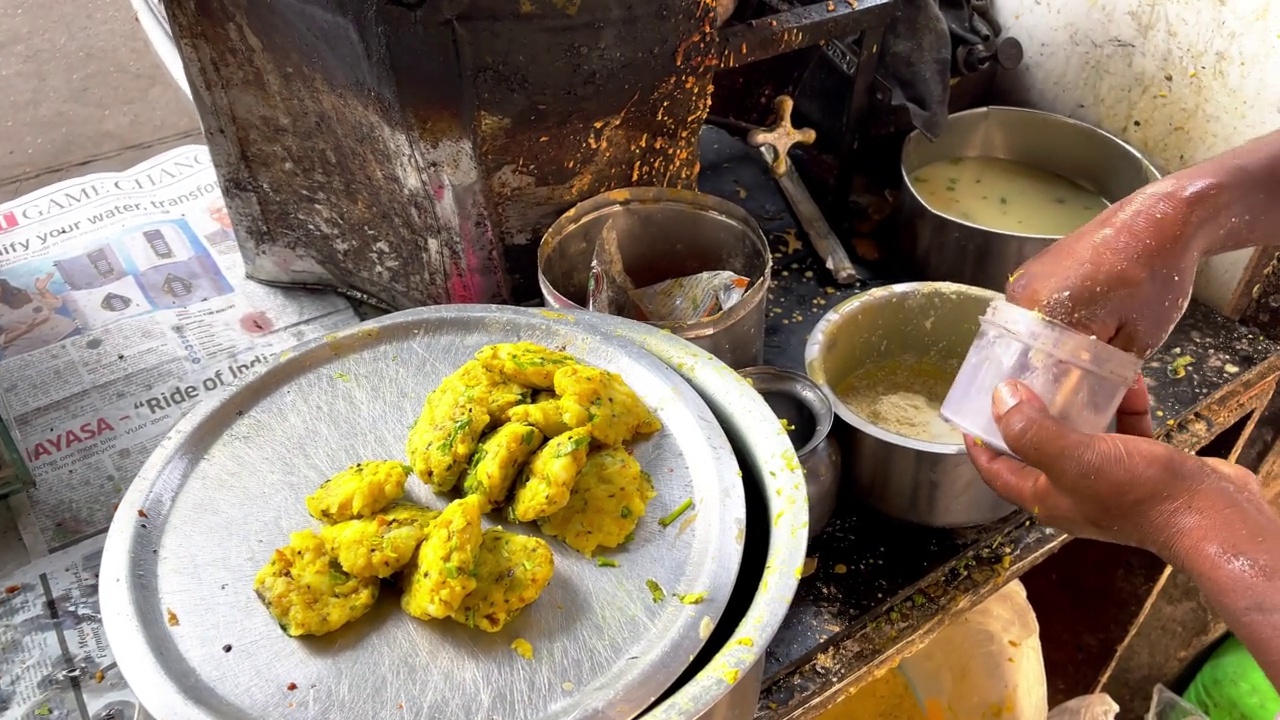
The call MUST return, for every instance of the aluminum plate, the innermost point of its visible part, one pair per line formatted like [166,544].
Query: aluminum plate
[227,486]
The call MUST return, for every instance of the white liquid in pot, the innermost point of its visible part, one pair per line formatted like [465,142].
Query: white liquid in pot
[1006,196]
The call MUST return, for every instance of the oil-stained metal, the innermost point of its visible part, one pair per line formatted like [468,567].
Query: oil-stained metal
[801,27]
[412,156]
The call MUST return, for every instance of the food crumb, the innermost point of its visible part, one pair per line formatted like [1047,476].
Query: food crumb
[691,598]
[705,627]
[291,686]
[810,564]
[11,589]
[606,562]
[523,648]
[841,569]
[99,676]
[142,513]
[342,376]
[171,617]
[731,676]
[226,648]
[745,642]
[568,686]
[400,706]
[655,590]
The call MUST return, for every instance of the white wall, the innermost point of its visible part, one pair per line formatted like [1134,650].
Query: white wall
[1181,80]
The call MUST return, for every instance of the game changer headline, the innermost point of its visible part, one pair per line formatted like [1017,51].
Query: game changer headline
[64,203]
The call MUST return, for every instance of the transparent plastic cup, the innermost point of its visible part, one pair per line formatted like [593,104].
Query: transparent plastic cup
[1080,378]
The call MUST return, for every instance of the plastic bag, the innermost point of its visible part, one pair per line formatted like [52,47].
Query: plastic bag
[686,299]
[987,664]
[1087,707]
[692,297]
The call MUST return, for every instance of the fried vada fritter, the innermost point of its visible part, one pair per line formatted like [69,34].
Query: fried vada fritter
[601,400]
[545,415]
[607,502]
[548,479]
[440,450]
[308,592]
[511,572]
[525,363]
[380,545]
[441,573]
[498,460]
[359,491]
[473,383]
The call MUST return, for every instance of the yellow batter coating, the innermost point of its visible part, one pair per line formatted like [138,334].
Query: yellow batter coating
[511,572]
[473,383]
[607,502]
[380,545]
[308,592]
[500,458]
[545,415]
[359,491]
[602,401]
[525,363]
[441,573]
[549,478]
[440,449]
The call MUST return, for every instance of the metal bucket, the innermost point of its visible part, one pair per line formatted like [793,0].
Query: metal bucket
[929,483]
[945,248]
[665,233]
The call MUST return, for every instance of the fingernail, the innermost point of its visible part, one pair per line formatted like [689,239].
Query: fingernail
[1008,394]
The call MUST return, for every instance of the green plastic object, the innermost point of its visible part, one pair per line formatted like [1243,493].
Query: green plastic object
[1231,686]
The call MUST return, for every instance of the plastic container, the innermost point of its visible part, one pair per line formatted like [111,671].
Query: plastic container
[1080,378]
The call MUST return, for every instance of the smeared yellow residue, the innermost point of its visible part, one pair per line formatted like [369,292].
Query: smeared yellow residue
[731,676]
[888,696]
[552,314]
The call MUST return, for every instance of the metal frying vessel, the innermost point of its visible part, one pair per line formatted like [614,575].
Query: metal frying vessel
[945,248]
[923,482]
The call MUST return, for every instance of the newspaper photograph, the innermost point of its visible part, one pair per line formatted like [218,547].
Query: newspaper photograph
[54,659]
[123,302]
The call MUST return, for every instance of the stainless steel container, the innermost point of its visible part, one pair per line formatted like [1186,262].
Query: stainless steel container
[724,681]
[945,248]
[923,482]
[665,233]
[799,401]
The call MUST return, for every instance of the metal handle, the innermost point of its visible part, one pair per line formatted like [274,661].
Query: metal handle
[774,142]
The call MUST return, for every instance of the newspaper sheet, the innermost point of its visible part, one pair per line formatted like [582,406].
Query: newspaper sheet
[54,659]
[123,302]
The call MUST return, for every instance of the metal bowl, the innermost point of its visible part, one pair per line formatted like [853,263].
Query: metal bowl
[945,248]
[923,482]
[665,233]
[799,401]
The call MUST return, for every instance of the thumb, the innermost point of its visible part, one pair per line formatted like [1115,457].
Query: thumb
[1028,429]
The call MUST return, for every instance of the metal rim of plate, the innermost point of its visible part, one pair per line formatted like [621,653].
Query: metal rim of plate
[231,477]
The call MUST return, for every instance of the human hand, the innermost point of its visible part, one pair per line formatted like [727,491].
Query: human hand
[1122,487]
[1126,276]
[42,283]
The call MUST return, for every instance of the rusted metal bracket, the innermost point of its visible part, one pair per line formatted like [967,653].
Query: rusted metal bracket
[801,27]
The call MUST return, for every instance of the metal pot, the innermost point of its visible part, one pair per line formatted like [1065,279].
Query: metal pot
[665,233]
[945,248]
[929,483]
[799,401]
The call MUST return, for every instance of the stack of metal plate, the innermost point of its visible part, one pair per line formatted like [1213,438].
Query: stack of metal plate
[227,487]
